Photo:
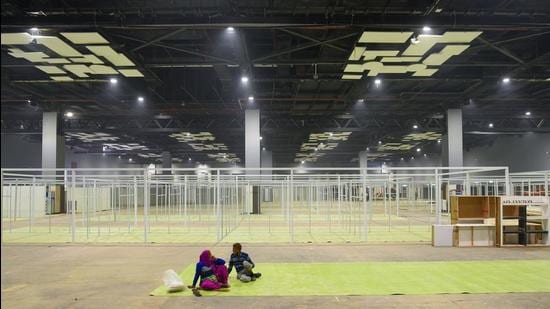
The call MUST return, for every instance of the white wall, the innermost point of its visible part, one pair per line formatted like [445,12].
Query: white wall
[19,200]
[523,153]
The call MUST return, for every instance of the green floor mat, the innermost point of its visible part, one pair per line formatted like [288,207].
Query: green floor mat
[385,278]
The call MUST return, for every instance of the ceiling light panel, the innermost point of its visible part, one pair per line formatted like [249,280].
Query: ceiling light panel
[85,37]
[425,136]
[85,53]
[126,147]
[90,137]
[318,143]
[224,157]
[406,54]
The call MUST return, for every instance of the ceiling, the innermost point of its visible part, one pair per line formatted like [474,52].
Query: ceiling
[312,69]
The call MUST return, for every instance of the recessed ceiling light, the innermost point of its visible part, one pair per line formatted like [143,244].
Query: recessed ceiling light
[69,114]
[141,99]
[402,159]
[415,127]
[261,138]
[426,29]
[425,155]
[490,125]
[439,141]
[230,29]
[527,113]
[28,101]
[244,79]
[418,149]
[250,98]
[189,159]
[377,82]
[379,142]
[368,148]
[303,162]
[130,160]
[412,158]
[263,148]
[506,80]
[119,157]
[113,81]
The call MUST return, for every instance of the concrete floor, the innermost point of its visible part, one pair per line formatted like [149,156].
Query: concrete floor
[73,276]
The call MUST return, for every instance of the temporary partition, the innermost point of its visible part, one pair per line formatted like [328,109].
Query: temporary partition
[374,205]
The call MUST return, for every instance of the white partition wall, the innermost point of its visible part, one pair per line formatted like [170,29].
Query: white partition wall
[313,205]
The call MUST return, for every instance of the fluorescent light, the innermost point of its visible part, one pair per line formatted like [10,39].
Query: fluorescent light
[244,79]
[506,80]
[415,127]
[141,99]
[490,125]
[418,149]
[426,29]
[250,98]
[113,81]
[69,114]
[527,113]
[230,29]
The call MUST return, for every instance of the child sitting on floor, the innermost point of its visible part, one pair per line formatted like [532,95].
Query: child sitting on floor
[212,273]
[243,264]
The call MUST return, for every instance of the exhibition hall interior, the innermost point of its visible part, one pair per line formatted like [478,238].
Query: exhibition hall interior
[275,154]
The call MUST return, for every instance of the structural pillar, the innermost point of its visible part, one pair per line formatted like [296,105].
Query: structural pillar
[252,152]
[166,161]
[53,141]
[362,160]
[53,156]
[267,163]
[454,138]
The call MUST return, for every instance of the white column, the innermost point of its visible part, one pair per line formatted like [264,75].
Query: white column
[454,137]
[252,139]
[166,161]
[53,141]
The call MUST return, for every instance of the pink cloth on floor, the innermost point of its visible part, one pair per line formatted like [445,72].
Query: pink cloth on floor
[220,271]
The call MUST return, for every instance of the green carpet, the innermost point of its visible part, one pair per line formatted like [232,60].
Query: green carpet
[385,278]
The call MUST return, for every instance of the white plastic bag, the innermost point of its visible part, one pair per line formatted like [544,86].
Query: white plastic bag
[172,281]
